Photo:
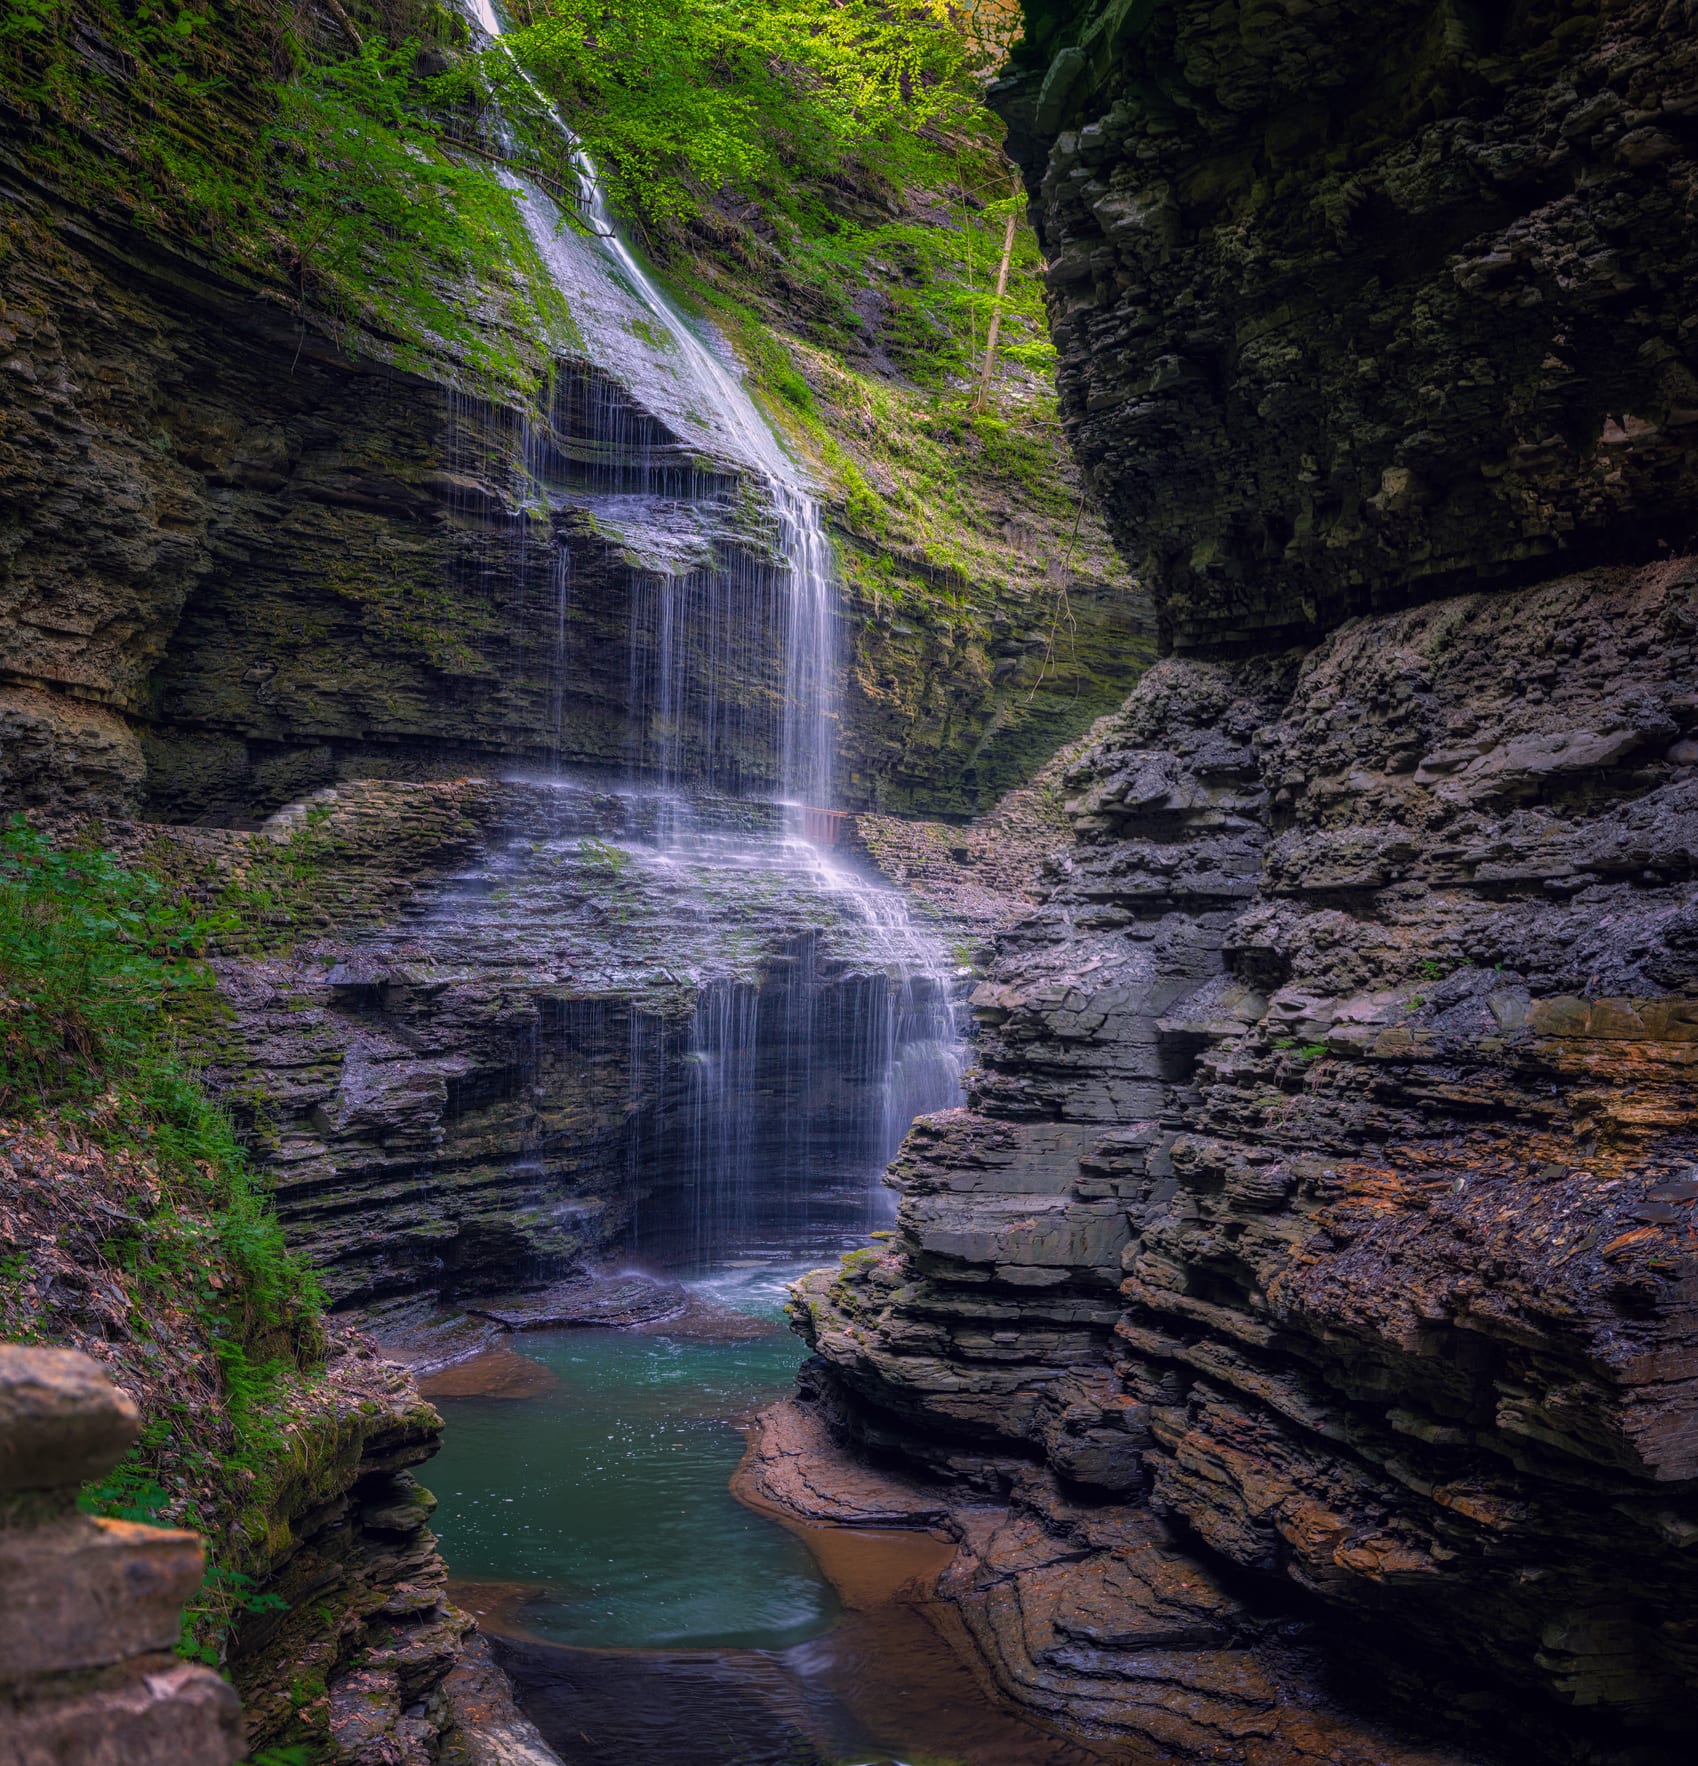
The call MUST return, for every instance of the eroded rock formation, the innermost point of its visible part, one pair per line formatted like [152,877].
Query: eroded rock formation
[1356,302]
[1322,1228]
[92,1607]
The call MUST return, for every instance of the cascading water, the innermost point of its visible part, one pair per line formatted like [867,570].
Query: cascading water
[821,1022]
[703,619]
[802,1079]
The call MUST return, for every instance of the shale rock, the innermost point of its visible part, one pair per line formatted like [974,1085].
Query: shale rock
[1363,1000]
[1326,1189]
[92,1608]
[1355,302]
[240,561]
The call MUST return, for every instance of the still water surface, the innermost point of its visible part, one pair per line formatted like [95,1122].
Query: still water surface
[608,1486]
[646,1616]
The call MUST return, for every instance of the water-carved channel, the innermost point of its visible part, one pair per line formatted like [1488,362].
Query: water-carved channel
[585,1510]
[648,1617]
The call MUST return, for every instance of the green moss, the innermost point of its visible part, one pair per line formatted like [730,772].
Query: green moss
[101,991]
[329,173]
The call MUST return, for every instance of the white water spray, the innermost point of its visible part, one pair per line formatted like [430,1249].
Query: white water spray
[902,1037]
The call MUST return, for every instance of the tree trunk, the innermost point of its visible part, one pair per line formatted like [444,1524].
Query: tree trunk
[982,397]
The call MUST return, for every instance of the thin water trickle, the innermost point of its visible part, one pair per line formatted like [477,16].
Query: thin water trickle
[715,639]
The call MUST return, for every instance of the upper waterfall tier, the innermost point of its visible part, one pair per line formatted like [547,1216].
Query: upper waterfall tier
[634,333]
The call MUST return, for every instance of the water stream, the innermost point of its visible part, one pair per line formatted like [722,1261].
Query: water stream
[585,1509]
[647,1617]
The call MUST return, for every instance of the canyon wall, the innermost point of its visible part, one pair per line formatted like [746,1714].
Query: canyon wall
[1311,1288]
[241,559]
[491,1038]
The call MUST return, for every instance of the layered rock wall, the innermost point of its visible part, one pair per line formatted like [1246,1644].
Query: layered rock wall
[1317,1261]
[1357,304]
[1329,1184]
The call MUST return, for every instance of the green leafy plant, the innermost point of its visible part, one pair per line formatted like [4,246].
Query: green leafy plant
[383,224]
[102,988]
[609,863]
[1304,1051]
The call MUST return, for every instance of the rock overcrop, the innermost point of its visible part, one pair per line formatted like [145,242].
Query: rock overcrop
[1328,1186]
[92,1608]
[1358,302]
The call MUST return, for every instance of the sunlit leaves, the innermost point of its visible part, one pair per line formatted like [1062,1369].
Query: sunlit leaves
[681,101]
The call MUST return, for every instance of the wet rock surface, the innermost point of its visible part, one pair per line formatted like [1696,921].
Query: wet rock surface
[500,1059]
[597,1301]
[489,1729]
[1326,1190]
[1320,1226]
[239,563]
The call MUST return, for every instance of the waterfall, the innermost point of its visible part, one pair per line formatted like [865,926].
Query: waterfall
[714,402]
[800,1083]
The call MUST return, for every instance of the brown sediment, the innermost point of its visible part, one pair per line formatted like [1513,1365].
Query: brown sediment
[495,1373]
[877,1567]
[900,1657]
[498,1607]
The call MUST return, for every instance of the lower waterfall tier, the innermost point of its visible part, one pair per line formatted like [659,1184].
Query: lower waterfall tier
[599,1020]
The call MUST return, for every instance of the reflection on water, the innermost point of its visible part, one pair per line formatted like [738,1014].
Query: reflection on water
[647,1617]
[608,1488]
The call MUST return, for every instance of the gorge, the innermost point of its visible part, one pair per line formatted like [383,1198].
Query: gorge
[538,777]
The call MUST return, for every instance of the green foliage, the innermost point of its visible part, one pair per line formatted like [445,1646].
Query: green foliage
[293,157]
[383,226]
[833,151]
[852,131]
[99,977]
[1305,1052]
[101,982]
[676,102]
[602,855]
[95,963]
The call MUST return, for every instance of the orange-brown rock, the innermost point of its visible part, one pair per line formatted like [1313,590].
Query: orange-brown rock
[1330,1188]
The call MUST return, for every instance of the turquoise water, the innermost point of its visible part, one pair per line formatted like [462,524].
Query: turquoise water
[646,1617]
[608,1491]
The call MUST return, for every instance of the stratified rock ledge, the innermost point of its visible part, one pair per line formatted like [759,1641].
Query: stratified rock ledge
[1090,1614]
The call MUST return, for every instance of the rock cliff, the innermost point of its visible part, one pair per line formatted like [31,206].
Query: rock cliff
[241,560]
[1315,1266]
[324,1601]
[1358,304]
